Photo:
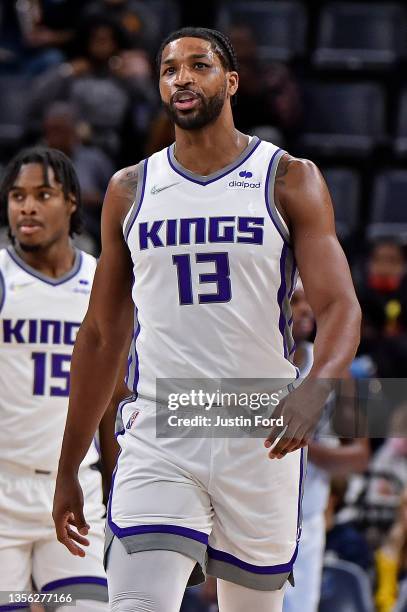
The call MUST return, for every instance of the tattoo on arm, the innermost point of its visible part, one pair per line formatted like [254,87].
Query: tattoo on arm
[282,169]
[128,183]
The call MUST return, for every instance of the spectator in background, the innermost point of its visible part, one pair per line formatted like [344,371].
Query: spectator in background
[93,167]
[135,16]
[382,294]
[327,456]
[109,85]
[391,561]
[268,103]
[343,540]
[48,29]
[391,459]
[269,94]
[385,284]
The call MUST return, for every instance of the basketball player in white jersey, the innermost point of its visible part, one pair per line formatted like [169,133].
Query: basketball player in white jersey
[199,244]
[45,285]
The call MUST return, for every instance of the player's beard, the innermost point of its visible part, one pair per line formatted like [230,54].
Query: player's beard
[30,248]
[208,112]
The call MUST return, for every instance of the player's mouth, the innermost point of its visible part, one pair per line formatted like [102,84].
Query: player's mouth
[29,228]
[185,100]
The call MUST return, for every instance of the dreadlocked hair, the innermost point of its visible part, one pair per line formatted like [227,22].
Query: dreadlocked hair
[64,173]
[220,43]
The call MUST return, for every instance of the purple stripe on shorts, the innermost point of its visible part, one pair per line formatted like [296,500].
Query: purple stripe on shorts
[193,534]
[63,582]
[122,532]
[10,607]
[283,568]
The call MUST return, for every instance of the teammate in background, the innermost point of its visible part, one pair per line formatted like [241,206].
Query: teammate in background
[326,458]
[45,285]
[203,236]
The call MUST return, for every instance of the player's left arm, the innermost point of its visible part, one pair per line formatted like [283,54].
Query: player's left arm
[302,197]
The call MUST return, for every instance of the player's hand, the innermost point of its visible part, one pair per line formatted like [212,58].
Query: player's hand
[70,524]
[300,412]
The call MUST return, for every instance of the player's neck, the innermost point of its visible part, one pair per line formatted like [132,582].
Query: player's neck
[210,149]
[54,261]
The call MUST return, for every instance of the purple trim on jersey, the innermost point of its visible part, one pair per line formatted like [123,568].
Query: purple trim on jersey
[129,362]
[266,194]
[299,495]
[2,291]
[136,365]
[292,287]
[219,176]
[97,446]
[220,555]
[143,188]
[281,296]
[63,582]
[10,607]
[54,282]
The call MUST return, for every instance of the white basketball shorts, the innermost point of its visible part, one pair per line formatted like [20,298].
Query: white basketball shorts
[222,502]
[30,554]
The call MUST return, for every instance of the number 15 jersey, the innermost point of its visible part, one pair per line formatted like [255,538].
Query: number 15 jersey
[39,320]
[213,272]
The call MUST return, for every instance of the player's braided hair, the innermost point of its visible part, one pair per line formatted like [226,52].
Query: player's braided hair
[221,44]
[64,173]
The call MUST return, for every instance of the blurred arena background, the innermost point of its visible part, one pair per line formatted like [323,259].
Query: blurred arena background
[322,79]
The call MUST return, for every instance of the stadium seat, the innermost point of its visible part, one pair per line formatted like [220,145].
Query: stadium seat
[342,119]
[280,27]
[344,187]
[13,104]
[400,141]
[345,588]
[389,208]
[360,36]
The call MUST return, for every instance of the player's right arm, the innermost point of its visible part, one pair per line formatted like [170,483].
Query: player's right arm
[96,358]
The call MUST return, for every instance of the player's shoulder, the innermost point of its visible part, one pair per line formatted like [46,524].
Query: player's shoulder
[294,172]
[4,257]
[297,166]
[124,176]
[88,262]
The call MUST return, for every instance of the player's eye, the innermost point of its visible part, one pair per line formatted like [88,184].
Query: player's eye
[200,65]
[15,195]
[169,70]
[44,195]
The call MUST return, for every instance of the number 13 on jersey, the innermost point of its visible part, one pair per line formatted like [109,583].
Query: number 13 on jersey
[220,277]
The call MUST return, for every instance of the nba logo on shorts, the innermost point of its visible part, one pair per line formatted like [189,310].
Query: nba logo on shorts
[132,418]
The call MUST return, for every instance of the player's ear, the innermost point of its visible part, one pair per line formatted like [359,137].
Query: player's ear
[233,82]
[72,204]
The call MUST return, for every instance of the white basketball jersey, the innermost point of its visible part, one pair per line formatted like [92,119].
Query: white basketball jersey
[213,272]
[39,320]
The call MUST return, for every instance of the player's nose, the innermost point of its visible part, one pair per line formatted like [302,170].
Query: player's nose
[30,205]
[183,76]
